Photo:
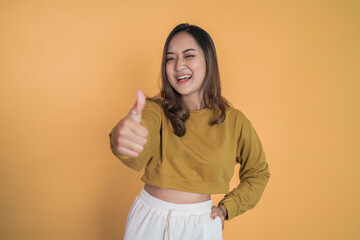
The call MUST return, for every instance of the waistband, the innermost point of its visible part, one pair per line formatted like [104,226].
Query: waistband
[177,209]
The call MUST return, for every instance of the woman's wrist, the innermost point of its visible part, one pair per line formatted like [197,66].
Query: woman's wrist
[224,210]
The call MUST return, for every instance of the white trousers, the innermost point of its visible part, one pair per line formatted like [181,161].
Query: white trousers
[153,219]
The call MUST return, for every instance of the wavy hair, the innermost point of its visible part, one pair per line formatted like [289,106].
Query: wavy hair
[170,99]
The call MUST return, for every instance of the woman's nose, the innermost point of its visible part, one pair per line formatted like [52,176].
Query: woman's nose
[179,65]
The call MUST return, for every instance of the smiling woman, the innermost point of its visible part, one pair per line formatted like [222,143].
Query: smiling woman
[196,46]
[186,69]
[189,139]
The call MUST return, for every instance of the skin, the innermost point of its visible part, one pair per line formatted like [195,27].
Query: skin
[184,57]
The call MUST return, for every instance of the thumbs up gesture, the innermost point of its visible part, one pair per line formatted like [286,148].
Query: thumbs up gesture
[129,137]
[135,112]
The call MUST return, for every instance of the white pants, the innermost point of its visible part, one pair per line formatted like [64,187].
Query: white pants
[153,219]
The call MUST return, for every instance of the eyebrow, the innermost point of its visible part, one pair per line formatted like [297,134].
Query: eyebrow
[187,50]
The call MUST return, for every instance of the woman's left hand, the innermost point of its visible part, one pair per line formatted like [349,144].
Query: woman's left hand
[219,211]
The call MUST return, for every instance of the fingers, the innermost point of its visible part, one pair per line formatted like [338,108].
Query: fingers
[217,212]
[136,110]
[140,100]
[131,127]
[130,149]
[129,136]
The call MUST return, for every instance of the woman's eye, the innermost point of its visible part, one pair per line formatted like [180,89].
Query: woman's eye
[169,59]
[190,56]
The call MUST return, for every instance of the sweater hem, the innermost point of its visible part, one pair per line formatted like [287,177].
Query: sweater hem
[185,185]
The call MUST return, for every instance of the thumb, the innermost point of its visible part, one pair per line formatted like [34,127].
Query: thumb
[136,110]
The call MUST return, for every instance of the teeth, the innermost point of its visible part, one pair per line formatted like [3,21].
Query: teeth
[183,77]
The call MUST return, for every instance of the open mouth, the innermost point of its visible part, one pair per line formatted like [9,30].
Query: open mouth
[183,78]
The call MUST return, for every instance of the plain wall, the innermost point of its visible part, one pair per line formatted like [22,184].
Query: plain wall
[69,71]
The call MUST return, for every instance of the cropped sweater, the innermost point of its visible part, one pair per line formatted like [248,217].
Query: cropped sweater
[203,160]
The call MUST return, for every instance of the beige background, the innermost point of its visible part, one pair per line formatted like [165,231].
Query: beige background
[69,71]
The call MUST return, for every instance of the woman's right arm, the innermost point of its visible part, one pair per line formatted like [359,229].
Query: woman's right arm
[128,137]
[136,137]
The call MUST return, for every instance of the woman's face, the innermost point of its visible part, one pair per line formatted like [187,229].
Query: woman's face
[186,66]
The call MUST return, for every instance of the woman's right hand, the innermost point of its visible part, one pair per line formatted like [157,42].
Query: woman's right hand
[129,137]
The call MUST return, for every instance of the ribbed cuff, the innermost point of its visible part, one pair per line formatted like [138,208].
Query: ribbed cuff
[128,161]
[231,207]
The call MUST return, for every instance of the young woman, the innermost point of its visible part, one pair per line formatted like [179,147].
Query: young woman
[189,139]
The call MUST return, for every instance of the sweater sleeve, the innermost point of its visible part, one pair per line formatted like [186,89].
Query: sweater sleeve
[254,175]
[151,119]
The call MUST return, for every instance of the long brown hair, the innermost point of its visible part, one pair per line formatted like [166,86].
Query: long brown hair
[170,100]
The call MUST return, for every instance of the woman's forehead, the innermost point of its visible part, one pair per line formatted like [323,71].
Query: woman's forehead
[182,41]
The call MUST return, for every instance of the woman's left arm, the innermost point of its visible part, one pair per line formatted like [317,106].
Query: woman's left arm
[254,175]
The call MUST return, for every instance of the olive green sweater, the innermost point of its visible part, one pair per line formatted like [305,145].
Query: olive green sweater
[203,160]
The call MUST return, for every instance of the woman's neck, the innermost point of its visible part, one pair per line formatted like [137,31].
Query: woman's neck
[193,103]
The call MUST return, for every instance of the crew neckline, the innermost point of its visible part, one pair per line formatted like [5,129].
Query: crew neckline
[199,112]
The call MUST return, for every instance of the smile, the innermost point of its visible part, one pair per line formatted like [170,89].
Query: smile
[183,78]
